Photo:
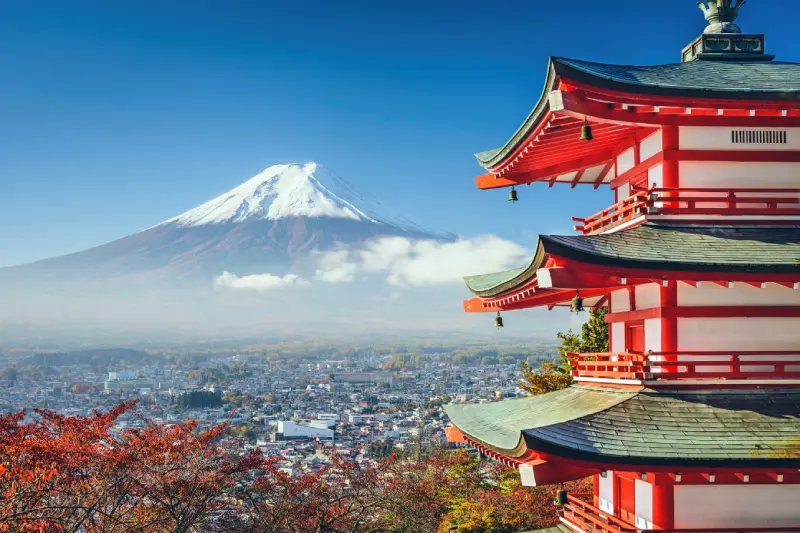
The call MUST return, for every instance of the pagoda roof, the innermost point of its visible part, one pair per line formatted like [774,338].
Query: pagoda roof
[731,80]
[723,249]
[754,428]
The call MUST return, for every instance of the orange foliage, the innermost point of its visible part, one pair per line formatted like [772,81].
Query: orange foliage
[77,474]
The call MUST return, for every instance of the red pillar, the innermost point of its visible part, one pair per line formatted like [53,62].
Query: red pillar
[670,141]
[663,503]
[669,326]
[671,171]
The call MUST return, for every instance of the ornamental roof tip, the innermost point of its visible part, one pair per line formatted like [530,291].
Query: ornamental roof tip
[721,15]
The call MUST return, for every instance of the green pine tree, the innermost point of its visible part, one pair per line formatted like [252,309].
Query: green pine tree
[553,376]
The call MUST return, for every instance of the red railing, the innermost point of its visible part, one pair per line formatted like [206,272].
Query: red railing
[655,366]
[617,214]
[703,202]
[589,518]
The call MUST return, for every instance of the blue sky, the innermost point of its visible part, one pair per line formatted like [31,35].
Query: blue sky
[117,115]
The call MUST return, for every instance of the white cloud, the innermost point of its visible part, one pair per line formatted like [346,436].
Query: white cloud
[258,282]
[335,267]
[416,262]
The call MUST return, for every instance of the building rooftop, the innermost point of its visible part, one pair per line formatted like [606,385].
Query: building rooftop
[755,428]
[724,249]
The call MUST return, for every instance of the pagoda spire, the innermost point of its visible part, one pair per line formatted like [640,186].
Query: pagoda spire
[721,15]
[723,40]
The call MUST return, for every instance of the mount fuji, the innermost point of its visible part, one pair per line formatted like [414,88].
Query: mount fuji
[271,222]
[294,250]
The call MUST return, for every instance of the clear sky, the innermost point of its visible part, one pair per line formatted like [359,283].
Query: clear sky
[116,115]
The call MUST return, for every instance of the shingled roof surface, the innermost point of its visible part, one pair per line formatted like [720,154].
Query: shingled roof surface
[735,428]
[742,80]
[724,249]
[756,249]
[499,425]
[780,79]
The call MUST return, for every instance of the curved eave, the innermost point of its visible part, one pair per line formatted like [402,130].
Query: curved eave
[491,158]
[664,248]
[499,426]
[592,425]
[785,90]
[489,285]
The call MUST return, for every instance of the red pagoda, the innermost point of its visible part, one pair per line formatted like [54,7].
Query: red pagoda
[692,422]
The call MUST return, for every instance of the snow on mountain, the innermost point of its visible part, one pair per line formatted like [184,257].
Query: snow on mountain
[295,190]
[274,222]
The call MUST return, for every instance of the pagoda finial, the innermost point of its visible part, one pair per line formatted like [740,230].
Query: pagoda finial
[721,15]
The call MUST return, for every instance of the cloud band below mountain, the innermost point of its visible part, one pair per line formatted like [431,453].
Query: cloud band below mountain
[412,262]
[400,261]
[258,282]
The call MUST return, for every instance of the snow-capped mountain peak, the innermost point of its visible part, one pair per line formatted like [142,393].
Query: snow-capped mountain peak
[294,190]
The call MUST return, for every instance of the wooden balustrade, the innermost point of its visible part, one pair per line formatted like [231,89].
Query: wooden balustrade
[586,516]
[703,202]
[655,366]
[590,518]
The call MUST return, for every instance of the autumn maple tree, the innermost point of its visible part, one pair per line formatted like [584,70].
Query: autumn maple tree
[81,475]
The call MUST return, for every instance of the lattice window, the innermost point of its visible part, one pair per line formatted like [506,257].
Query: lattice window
[759,136]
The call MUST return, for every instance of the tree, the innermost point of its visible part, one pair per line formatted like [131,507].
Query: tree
[551,376]
[79,475]
[505,506]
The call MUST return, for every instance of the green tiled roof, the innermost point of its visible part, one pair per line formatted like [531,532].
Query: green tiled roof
[724,249]
[758,428]
[499,425]
[754,428]
[487,282]
[751,80]
[730,249]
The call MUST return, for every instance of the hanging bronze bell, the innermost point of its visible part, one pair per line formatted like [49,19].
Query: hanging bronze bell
[512,195]
[577,303]
[586,131]
[498,321]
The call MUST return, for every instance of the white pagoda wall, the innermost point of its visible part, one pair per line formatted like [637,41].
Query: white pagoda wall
[739,294]
[716,334]
[736,506]
[742,175]
[606,492]
[745,334]
[718,138]
[712,174]
[651,145]
[738,174]
[644,504]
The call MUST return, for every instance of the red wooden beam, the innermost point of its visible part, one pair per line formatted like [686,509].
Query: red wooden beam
[576,104]
[602,301]
[577,178]
[679,101]
[765,311]
[489,181]
[739,156]
[603,173]
[637,170]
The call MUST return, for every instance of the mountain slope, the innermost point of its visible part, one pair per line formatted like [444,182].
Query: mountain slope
[269,223]
[288,191]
